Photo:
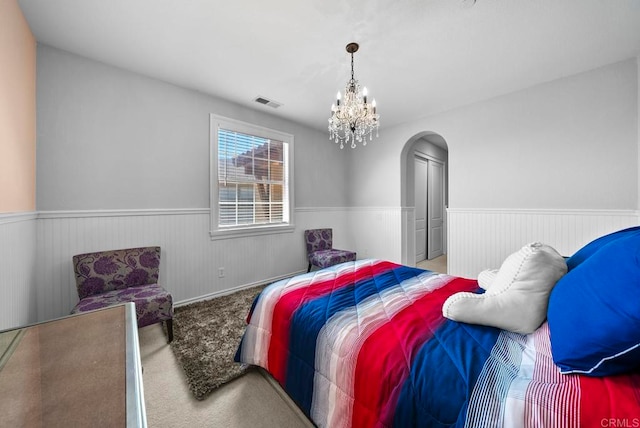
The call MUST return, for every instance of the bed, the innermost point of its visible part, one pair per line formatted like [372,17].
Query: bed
[365,344]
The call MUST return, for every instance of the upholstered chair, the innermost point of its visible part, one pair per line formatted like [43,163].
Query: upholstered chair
[107,278]
[320,251]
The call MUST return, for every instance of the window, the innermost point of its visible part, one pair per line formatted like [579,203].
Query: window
[250,179]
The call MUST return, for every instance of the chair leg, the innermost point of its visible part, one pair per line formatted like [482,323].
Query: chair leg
[309,268]
[169,330]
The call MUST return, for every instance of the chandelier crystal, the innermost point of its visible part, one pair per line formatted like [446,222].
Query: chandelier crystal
[353,118]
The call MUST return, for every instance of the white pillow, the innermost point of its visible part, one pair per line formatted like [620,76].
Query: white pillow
[518,297]
[486,278]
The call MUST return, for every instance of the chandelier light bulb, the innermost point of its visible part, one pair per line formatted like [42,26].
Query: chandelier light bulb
[352,120]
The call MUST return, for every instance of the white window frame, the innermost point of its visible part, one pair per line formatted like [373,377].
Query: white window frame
[217,232]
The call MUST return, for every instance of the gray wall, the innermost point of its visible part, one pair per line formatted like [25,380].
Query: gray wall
[123,161]
[567,144]
[113,139]
[109,139]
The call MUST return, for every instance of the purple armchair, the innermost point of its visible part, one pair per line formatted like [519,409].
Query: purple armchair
[320,251]
[107,278]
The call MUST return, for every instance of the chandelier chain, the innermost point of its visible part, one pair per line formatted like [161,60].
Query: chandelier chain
[352,78]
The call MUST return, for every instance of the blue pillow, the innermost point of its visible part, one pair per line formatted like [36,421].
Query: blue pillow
[594,312]
[587,251]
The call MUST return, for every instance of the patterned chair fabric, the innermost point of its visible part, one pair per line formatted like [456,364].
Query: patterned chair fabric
[107,278]
[320,251]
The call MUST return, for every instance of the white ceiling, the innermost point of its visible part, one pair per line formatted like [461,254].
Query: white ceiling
[417,57]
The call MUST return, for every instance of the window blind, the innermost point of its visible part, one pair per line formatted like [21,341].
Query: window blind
[252,180]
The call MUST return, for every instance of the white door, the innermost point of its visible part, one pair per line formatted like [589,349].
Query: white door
[421,177]
[435,210]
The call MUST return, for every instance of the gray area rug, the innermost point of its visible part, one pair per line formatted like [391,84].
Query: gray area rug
[206,337]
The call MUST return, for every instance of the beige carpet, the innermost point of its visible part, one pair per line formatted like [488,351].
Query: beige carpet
[247,402]
[439,264]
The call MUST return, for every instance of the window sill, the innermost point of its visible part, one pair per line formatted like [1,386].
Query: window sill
[250,231]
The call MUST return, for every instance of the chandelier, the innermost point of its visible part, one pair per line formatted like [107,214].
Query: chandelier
[353,119]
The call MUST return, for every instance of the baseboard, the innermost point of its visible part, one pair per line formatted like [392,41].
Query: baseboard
[234,289]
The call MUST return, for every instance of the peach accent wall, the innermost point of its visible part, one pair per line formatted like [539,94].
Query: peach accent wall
[17,111]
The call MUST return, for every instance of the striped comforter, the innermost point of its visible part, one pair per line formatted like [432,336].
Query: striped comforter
[364,344]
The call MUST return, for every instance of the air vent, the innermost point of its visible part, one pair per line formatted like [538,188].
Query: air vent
[267,102]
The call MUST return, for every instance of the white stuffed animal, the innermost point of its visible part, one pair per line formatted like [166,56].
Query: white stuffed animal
[486,278]
[517,297]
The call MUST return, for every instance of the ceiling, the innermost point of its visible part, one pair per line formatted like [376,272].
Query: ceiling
[416,57]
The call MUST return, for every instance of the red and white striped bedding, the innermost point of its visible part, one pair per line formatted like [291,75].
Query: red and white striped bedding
[365,344]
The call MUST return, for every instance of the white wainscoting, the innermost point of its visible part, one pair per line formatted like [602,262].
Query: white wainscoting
[482,238]
[37,281]
[190,260]
[377,232]
[17,269]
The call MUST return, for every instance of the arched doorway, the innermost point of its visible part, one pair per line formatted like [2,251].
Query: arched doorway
[423,155]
